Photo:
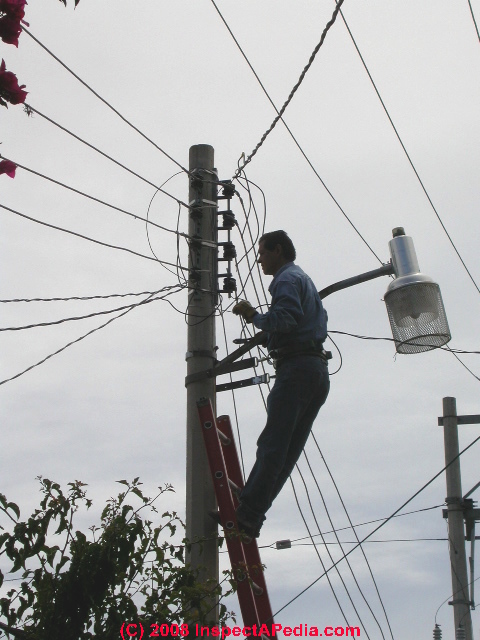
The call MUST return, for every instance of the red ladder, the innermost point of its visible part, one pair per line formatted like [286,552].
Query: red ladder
[244,557]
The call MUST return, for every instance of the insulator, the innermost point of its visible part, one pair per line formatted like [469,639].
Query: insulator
[196,181]
[229,190]
[229,251]
[460,633]
[228,219]
[229,285]
[437,633]
[194,277]
[196,212]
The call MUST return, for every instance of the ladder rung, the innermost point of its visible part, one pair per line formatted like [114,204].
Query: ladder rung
[223,438]
[257,590]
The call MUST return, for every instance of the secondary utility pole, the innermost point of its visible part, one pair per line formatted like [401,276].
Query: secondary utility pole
[200,356]
[455,515]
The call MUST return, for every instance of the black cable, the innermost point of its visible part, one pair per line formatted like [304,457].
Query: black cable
[104,101]
[444,348]
[294,138]
[105,155]
[307,544]
[406,152]
[339,353]
[427,484]
[473,18]
[293,91]
[338,541]
[89,315]
[79,235]
[86,195]
[462,363]
[234,400]
[361,524]
[353,529]
[69,344]
[319,557]
[111,295]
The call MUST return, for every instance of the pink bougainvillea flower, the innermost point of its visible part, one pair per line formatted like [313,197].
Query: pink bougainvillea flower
[13,8]
[10,30]
[10,91]
[8,167]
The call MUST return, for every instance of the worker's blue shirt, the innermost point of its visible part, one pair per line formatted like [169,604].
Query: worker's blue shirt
[296,312]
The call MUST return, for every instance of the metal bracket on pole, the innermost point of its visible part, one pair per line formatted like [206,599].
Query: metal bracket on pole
[239,384]
[220,369]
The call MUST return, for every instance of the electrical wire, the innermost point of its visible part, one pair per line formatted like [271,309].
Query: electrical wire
[336,202]
[111,295]
[86,195]
[103,100]
[353,529]
[89,315]
[406,152]
[361,524]
[105,155]
[329,24]
[340,543]
[330,555]
[473,18]
[82,337]
[322,563]
[79,235]
[427,484]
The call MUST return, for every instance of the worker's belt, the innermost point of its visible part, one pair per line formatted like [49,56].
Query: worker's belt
[308,348]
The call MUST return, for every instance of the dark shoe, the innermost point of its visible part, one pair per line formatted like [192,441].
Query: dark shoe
[250,530]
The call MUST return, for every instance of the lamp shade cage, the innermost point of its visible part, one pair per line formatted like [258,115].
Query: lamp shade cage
[414,302]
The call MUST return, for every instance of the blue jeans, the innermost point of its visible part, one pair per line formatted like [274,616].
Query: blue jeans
[301,387]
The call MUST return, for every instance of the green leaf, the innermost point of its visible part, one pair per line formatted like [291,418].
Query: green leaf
[13,507]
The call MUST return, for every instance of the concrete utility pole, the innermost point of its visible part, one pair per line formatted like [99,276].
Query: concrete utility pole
[200,356]
[455,514]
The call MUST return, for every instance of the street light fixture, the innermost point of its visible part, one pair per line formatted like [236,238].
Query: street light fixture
[414,302]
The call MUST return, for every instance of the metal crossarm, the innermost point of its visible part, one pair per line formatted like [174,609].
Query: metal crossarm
[243,552]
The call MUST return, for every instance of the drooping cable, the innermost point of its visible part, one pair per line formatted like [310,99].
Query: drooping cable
[88,315]
[329,24]
[417,493]
[80,235]
[406,152]
[110,295]
[103,100]
[86,195]
[105,155]
[353,529]
[332,589]
[82,337]
[473,18]
[336,202]
[337,570]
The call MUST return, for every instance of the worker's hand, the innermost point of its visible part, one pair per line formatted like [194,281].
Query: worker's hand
[244,309]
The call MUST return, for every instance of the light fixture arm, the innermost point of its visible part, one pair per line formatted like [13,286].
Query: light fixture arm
[384,270]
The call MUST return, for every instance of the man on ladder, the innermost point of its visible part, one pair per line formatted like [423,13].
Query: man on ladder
[296,327]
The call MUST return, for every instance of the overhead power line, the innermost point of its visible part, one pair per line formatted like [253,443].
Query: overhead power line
[294,90]
[473,18]
[79,235]
[88,315]
[367,537]
[86,195]
[105,155]
[110,295]
[103,100]
[85,335]
[300,148]
[407,154]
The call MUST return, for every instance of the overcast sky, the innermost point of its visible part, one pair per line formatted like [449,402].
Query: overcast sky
[113,405]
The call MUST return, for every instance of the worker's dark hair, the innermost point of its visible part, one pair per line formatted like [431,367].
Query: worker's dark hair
[270,241]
